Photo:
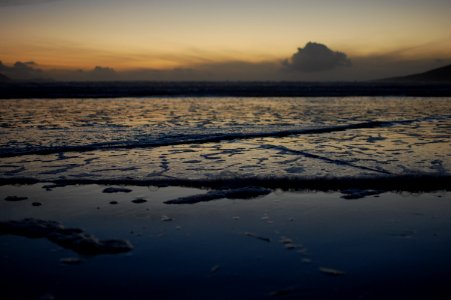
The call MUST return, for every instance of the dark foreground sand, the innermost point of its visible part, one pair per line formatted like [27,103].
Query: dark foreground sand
[285,244]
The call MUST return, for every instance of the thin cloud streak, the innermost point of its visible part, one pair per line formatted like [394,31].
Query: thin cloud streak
[66,55]
[5,3]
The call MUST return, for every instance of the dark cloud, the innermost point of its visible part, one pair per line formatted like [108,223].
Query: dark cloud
[217,71]
[98,73]
[363,68]
[103,73]
[27,65]
[316,57]
[28,70]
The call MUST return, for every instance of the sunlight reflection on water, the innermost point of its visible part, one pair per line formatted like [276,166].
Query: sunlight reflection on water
[142,138]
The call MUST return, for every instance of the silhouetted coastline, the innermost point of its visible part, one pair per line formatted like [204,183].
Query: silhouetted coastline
[31,90]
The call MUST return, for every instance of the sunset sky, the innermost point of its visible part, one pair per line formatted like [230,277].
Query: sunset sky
[233,35]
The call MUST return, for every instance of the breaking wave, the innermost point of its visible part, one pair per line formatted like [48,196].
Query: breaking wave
[180,139]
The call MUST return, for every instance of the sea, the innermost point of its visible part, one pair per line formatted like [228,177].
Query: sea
[214,138]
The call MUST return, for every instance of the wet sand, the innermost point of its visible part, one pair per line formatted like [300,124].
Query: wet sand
[298,244]
[225,198]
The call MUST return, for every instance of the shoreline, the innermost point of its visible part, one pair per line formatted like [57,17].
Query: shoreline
[413,183]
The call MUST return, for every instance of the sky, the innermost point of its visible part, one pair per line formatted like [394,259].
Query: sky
[222,40]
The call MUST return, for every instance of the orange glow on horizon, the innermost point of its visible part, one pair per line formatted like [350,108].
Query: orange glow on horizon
[137,34]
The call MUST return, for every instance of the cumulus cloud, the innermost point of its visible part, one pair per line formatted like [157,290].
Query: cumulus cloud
[316,57]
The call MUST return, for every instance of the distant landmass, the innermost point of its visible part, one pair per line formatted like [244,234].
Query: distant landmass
[439,75]
[433,83]
[4,78]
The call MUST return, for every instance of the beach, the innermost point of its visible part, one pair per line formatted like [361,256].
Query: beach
[286,244]
[220,198]
[225,150]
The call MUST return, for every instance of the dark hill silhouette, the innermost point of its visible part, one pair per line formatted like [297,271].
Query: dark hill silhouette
[439,75]
[433,83]
[3,78]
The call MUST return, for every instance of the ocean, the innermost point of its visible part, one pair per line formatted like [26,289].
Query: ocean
[225,198]
[214,138]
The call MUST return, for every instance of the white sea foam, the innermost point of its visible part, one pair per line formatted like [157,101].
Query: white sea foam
[214,138]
